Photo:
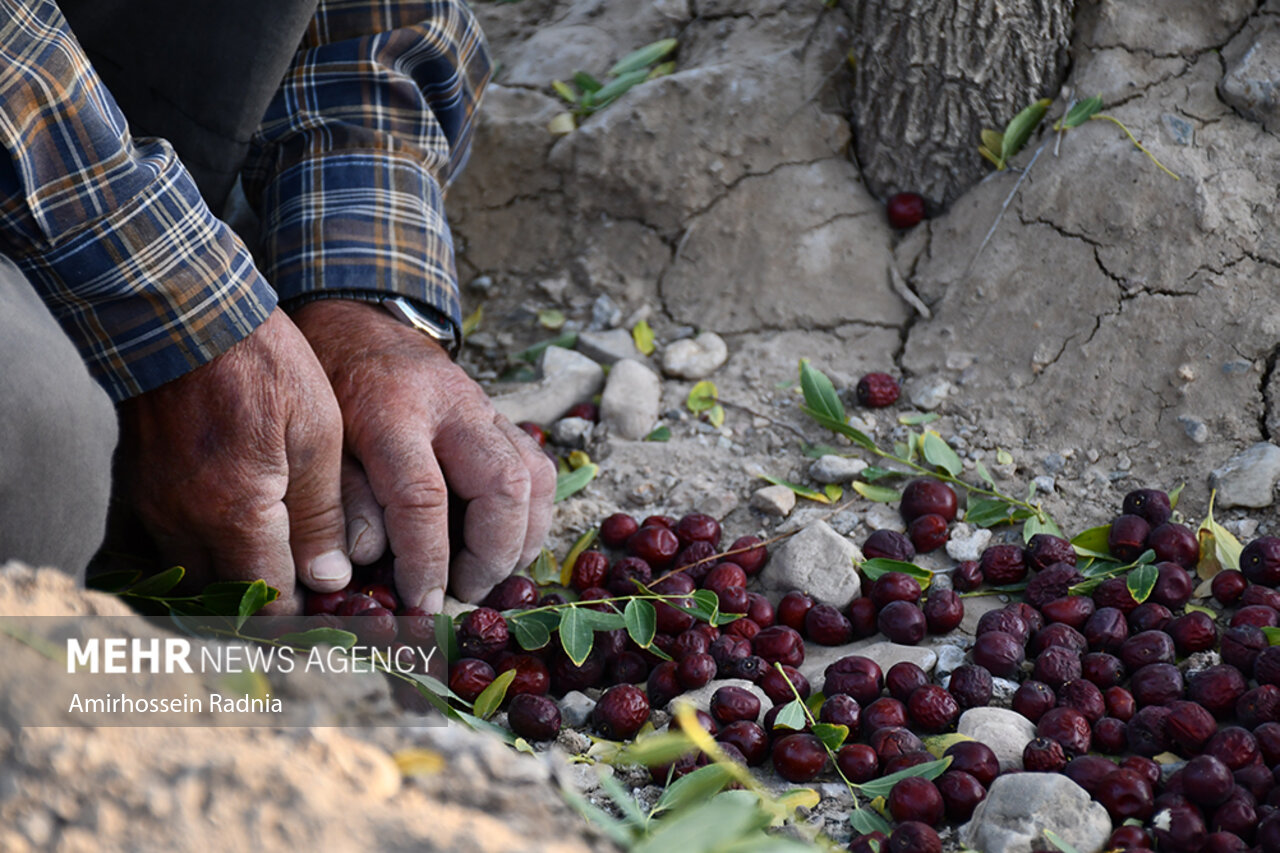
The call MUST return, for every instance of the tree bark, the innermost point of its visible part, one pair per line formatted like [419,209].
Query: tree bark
[931,74]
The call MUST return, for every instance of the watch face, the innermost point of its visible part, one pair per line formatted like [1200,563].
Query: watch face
[409,313]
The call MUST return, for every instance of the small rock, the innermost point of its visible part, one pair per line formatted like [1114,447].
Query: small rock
[605,313]
[575,709]
[719,504]
[881,517]
[1179,130]
[1249,478]
[1054,463]
[836,469]
[845,522]
[1019,808]
[568,378]
[1002,690]
[866,425]
[554,287]
[967,543]
[1244,529]
[949,659]
[695,358]
[571,432]
[1006,732]
[631,401]
[701,698]
[1236,365]
[928,392]
[1045,484]
[609,346]
[774,500]
[817,560]
[1195,428]
[1251,64]
[481,284]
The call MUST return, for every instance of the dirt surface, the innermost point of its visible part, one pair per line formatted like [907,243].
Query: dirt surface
[1118,330]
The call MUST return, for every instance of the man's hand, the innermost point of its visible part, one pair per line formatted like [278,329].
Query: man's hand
[234,467]
[414,422]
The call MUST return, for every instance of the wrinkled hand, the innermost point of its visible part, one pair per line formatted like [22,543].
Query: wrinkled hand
[417,428]
[234,467]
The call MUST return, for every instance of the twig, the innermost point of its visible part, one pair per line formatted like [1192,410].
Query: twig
[1008,200]
[1135,141]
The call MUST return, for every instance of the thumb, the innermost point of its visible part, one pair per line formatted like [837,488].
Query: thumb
[317,532]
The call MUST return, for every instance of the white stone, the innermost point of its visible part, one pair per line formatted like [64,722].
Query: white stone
[881,517]
[632,400]
[836,469]
[928,392]
[1006,732]
[571,432]
[949,659]
[568,378]
[609,346]
[1019,808]
[967,543]
[817,560]
[695,358]
[1249,478]
[774,500]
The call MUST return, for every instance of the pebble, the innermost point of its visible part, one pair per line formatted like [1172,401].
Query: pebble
[836,469]
[817,560]
[1195,428]
[1249,81]
[572,432]
[929,392]
[1244,529]
[1006,732]
[866,425]
[695,358]
[1045,484]
[609,346]
[1054,463]
[845,522]
[605,313]
[481,284]
[1178,128]
[949,659]
[1019,808]
[575,709]
[632,400]
[568,378]
[967,543]
[1249,478]
[1002,690]
[881,517]
[774,500]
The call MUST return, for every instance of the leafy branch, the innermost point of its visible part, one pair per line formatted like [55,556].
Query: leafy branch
[587,95]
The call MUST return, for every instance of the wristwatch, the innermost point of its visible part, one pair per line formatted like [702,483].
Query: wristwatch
[425,319]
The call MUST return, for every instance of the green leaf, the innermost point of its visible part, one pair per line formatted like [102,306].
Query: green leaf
[576,635]
[988,512]
[642,621]
[642,335]
[158,585]
[840,427]
[879,494]
[575,481]
[702,396]
[820,396]
[564,90]
[582,543]
[617,87]
[1198,608]
[715,825]
[693,787]
[1219,549]
[565,340]
[114,581]
[472,321]
[832,735]
[816,451]
[866,821]
[990,145]
[642,58]
[873,473]
[662,433]
[882,786]
[939,744]
[335,637]
[715,415]
[551,318]
[940,454]
[983,473]
[1080,112]
[802,491]
[490,699]
[543,570]
[1141,581]
[918,418]
[1272,634]
[655,749]
[257,596]
[1021,127]
[586,82]
[223,598]
[833,491]
[435,687]
[561,124]
[599,621]
[533,630]
[792,716]
[446,638]
[1034,525]
[1093,542]
[1175,494]
[878,566]
[1003,457]
[1147,556]
[661,70]
[1057,841]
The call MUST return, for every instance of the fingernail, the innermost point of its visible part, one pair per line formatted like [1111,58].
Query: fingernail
[356,528]
[434,602]
[331,566]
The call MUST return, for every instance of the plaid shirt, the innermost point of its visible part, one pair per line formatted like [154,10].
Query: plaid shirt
[347,172]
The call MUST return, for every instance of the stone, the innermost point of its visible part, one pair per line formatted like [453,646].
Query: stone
[701,698]
[1045,484]
[1196,429]
[608,346]
[1002,690]
[1178,129]
[572,432]
[1006,732]
[774,500]
[836,469]
[1249,478]
[928,392]
[1019,808]
[605,313]
[695,358]
[575,709]
[881,517]
[568,378]
[1252,68]
[967,543]
[886,654]
[631,401]
[949,659]
[817,560]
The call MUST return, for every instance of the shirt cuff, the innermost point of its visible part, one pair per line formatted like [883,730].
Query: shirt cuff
[155,288]
[359,221]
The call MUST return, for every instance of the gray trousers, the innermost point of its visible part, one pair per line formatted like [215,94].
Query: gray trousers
[199,73]
[57,434]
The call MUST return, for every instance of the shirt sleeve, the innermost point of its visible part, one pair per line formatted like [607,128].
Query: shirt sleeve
[349,166]
[111,230]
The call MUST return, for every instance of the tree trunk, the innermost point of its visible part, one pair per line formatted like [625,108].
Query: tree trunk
[931,74]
